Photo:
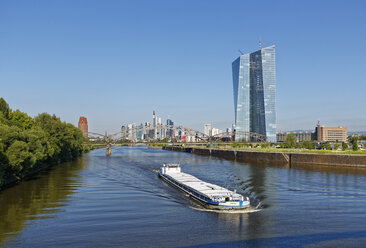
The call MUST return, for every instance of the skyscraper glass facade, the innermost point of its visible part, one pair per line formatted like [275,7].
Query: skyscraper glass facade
[169,132]
[254,81]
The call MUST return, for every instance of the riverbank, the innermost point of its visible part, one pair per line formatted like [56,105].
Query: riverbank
[31,144]
[13,180]
[279,158]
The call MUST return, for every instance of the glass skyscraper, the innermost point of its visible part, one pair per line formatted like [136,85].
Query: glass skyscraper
[169,132]
[254,81]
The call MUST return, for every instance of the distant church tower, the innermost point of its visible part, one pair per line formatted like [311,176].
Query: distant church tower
[83,126]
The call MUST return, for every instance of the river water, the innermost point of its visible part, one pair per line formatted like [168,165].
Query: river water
[119,201]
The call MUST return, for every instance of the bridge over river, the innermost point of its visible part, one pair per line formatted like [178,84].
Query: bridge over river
[133,134]
[143,133]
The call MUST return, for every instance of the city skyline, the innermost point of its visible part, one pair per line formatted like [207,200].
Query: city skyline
[115,62]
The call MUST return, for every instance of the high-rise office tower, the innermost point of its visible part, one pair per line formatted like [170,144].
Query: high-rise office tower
[170,132]
[254,81]
[207,129]
[155,122]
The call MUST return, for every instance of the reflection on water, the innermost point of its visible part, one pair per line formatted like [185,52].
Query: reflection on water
[332,169]
[40,197]
[101,201]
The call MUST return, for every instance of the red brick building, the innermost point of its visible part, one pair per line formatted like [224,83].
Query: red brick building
[83,126]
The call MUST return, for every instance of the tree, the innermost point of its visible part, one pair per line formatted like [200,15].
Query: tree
[290,140]
[327,146]
[3,164]
[353,140]
[21,119]
[265,145]
[4,108]
[26,143]
[20,158]
[344,146]
[308,144]
[336,146]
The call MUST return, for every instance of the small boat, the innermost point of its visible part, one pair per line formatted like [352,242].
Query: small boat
[209,195]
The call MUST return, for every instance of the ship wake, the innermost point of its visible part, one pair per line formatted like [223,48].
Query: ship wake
[241,211]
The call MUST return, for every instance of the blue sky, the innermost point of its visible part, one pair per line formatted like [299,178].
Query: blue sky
[116,61]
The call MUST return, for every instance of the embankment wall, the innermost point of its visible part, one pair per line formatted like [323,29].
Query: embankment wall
[328,159]
[278,158]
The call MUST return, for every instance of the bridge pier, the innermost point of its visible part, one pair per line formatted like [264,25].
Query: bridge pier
[108,150]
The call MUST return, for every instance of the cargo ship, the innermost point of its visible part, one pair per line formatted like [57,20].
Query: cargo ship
[209,195]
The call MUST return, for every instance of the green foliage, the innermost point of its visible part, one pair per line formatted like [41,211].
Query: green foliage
[353,141]
[87,148]
[157,145]
[165,140]
[327,146]
[20,157]
[21,119]
[3,164]
[290,140]
[265,145]
[121,141]
[65,140]
[344,146]
[336,146]
[26,143]
[307,144]
[4,108]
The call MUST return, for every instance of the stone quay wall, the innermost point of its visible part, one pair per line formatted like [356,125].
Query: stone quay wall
[278,158]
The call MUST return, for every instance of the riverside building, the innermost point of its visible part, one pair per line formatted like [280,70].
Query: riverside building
[325,134]
[254,81]
[321,134]
[299,136]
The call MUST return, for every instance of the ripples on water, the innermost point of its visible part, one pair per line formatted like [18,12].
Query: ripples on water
[119,201]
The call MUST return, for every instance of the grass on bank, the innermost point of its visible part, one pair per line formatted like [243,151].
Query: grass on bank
[298,150]
[244,147]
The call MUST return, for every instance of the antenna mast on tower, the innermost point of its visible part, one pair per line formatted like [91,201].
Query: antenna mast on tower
[260,44]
